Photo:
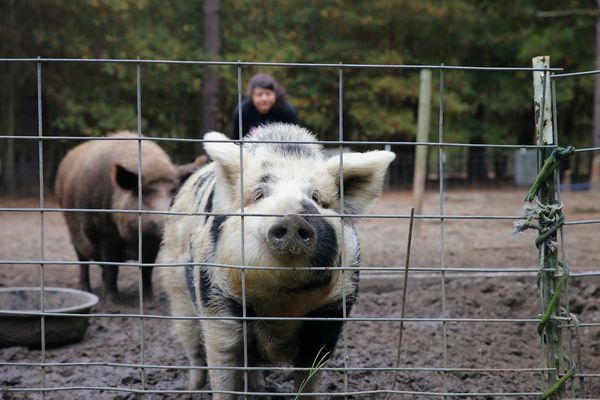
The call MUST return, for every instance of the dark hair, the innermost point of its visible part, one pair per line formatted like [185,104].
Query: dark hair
[266,81]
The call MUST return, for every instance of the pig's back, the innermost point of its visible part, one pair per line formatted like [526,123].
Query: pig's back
[83,177]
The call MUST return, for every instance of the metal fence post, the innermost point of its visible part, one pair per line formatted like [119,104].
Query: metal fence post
[551,337]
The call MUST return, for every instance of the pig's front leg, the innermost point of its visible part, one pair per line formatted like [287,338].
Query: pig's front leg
[224,348]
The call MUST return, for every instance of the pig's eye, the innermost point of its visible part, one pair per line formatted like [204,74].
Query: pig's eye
[258,195]
[317,199]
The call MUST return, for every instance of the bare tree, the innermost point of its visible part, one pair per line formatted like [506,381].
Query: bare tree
[8,155]
[595,172]
[212,47]
[595,178]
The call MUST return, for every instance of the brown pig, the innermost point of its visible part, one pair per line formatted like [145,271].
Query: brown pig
[103,174]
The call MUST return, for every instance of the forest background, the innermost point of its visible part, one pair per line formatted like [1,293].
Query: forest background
[184,101]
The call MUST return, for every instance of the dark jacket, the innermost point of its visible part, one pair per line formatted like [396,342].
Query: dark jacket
[251,118]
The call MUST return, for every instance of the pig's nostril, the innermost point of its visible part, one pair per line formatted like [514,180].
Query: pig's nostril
[278,232]
[305,235]
[292,235]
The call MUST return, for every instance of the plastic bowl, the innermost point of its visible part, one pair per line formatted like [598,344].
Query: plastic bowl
[17,328]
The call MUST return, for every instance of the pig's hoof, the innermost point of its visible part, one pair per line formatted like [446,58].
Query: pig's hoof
[197,379]
[85,288]
[148,297]
[150,303]
[112,298]
[256,381]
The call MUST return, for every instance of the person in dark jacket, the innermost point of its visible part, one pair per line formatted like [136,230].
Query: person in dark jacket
[265,103]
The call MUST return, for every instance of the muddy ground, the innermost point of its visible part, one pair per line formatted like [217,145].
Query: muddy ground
[513,347]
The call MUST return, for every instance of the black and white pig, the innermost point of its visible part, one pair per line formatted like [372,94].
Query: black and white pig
[290,180]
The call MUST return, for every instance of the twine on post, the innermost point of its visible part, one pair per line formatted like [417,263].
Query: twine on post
[547,219]
[547,170]
[559,383]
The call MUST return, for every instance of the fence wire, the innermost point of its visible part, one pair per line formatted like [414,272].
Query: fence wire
[443,271]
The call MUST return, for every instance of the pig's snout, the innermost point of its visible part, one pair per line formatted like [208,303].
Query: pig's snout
[292,235]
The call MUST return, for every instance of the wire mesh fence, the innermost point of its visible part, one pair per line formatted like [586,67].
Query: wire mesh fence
[462,363]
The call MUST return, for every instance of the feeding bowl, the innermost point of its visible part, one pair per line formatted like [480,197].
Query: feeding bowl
[26,330]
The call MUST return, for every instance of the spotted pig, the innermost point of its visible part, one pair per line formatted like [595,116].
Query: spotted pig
[306,240]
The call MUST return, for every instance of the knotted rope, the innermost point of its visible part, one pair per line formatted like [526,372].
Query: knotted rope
[547,219]
[547,169]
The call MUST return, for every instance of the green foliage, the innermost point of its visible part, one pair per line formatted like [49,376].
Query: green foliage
[93,99]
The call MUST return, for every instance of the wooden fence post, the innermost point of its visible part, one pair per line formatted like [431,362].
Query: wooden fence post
[551,335]
[420,174]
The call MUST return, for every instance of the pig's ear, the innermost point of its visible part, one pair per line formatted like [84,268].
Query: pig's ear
[186,170]
[363,175]
[225,153]
[125,179]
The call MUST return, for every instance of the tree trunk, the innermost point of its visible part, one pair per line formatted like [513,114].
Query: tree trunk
[595,178]
[476,167]
[500,165]
[8,156]
[212,47]
[9,170]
